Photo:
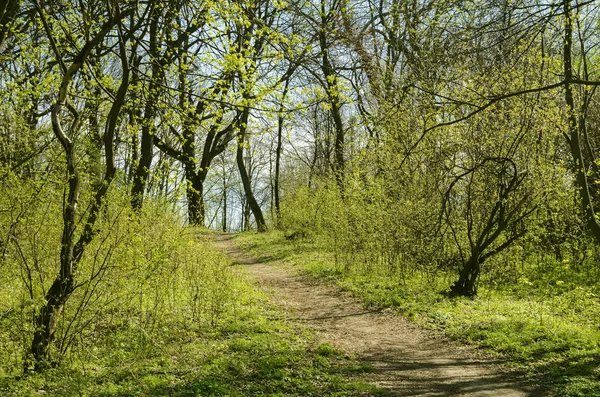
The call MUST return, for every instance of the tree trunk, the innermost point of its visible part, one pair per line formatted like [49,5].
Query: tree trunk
[46,321]
[242,214]
[278,171]
[224,218]
[246,213]
[334,100]
[250,199]
[142,172]
[466,283]
[194,189]
[280,121]
[575,128]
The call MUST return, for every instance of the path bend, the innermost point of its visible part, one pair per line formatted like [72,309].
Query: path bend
[407,361]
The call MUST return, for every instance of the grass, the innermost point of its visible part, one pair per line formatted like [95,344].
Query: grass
[249,351]
[550,333]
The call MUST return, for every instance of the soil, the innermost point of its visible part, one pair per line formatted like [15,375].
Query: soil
[407,360]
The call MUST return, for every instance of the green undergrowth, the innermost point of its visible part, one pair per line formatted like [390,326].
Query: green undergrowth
[258,354]
[551,334]
[249,349]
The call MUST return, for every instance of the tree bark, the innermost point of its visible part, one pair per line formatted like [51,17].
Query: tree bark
[142,172]
[280,120]
[195,198]
[278,170]
[334,100]
[46,320]
[224,218]
[135,115]
[466,283]
[250,199]
[575,128]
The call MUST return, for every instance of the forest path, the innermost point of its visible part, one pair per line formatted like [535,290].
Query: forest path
[407,361]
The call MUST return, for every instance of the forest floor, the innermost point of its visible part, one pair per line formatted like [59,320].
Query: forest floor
[405,360]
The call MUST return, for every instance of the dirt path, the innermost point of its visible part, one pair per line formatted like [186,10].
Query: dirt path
[406,361]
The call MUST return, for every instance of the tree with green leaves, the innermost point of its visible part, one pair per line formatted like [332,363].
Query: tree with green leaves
[73,247]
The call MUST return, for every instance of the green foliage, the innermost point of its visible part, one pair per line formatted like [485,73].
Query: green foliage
[408,166]
[138,279]
[311,212]
[326,350]
[166,340]
[157,311]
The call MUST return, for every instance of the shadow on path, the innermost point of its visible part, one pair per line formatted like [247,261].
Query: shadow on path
[406,360]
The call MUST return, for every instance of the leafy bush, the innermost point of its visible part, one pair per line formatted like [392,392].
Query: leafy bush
[141,277]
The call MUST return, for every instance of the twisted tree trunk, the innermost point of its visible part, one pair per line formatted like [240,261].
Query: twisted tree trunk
[46,320]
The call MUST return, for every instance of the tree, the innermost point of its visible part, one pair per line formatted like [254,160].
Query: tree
[251,47]
[577,134]
[72,250]
[278,149]
[163,48]
[242,127]
[323,16]
[485,225]
[218,136]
